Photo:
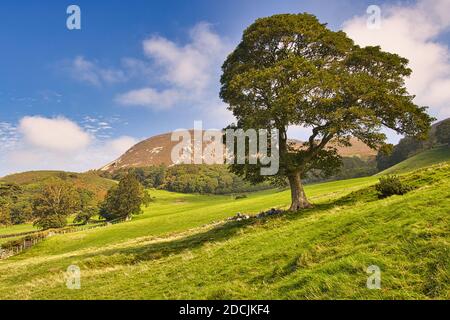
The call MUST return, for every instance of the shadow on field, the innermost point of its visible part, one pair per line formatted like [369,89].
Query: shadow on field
[165,248]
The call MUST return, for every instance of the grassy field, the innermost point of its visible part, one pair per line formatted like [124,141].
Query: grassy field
[17,229]
[180,249]
[421,160]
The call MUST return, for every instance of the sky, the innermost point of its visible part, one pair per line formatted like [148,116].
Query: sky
[76,99]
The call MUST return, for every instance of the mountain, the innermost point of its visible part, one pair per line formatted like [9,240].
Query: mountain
[157,151]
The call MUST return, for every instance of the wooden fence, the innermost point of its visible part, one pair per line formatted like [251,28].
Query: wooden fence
[29,239]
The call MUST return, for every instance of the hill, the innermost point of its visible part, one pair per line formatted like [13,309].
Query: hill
[408,147]
[157,150]
[421,160]
[181,248]
[31,181]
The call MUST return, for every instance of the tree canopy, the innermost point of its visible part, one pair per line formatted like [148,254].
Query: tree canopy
[443,132]
[55,203]
[125,199]
[291,70]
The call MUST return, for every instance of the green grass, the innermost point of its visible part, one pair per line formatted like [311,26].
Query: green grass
[17,229]
[175,251]
[421,160]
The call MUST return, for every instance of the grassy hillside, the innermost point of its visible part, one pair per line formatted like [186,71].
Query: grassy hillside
[175,250]
[33,180]
[421,160]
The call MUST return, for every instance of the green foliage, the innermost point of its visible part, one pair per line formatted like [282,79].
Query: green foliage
[125,199]
[203,179]
[57,201]
[21,212]
[290,69]
[87,207]
[20,189]
[391,185]
[9,204]
[443,132]
[85,215]
[351,167]
[5,213]
[406,148]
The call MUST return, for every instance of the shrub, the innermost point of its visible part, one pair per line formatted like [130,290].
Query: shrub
[240,196]
[391,185]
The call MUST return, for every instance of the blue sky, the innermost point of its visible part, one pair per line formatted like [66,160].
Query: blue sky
[106,79]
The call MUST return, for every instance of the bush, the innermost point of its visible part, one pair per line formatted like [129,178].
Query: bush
[391,185]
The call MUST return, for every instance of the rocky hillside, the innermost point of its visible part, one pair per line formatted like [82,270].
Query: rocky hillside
[157,150]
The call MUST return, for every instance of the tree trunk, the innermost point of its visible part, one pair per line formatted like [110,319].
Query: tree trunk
[299,200]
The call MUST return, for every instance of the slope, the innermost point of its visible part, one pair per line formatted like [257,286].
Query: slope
[173,251]
[421,160]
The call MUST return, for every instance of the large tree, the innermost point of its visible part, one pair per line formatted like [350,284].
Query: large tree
[125,199]
[292,70]
[57,201]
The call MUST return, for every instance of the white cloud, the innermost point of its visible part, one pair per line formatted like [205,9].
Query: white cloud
[188,74]
[149,97]
[57,134]
[56,144]
[120,145]
[191,66]
[89,72]
[413,32]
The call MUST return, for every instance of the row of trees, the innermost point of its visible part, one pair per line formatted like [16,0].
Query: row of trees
[58,200]
[204,179]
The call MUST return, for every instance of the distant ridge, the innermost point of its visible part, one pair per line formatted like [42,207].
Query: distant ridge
[157,150]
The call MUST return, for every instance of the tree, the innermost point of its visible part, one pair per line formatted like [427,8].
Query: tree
[83,216]
[87,207]
[292,70]
[9,195]
[54,204]
[21,212]
[443,132]
[125,199]
[5,213]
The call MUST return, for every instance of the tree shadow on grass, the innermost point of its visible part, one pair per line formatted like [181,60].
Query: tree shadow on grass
[165,248]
